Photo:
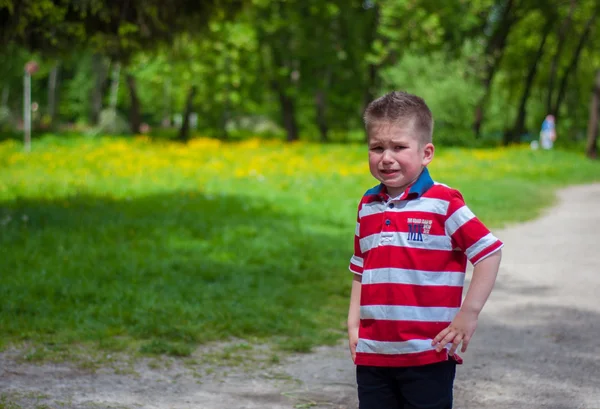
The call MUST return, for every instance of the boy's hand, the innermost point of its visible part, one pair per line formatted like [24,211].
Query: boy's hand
[460,330]
[463,326]
[352,342]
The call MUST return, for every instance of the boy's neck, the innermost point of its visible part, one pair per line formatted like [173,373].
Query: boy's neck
[394,192]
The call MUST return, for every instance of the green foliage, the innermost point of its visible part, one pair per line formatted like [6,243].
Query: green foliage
[7,121]
[448,87]
[317,62]
[39,24]
[76,93]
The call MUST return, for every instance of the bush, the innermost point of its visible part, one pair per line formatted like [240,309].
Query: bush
[450,90]
[452,137]
[252,125]
[110,122]
[7,122]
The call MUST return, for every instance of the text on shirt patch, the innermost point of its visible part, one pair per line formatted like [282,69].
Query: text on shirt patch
[417,228]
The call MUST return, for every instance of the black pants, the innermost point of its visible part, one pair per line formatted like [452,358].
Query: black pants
[415,387]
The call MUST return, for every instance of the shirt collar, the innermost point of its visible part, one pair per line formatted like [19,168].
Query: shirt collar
[422,184]
[413,191]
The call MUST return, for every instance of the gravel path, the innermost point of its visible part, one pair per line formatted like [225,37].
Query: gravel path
[537,345]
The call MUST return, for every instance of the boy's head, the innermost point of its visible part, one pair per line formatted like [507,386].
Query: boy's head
[400,127]
[401,109]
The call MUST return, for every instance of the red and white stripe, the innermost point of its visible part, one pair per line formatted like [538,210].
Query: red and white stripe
[411,290]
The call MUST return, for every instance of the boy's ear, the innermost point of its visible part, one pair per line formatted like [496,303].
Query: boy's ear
[428,152]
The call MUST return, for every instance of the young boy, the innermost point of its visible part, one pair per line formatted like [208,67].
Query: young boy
[413,240]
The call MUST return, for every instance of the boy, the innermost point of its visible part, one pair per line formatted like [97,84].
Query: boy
[413,239]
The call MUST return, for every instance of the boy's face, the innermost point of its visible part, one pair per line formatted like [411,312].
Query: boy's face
[396,158]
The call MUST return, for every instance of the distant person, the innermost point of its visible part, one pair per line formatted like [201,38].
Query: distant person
[548,132]
[412,243]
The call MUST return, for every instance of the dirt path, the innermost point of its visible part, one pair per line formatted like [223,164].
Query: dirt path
[537,345]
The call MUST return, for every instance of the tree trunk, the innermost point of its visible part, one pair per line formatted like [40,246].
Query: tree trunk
[369,94]
[366,74]
[286,102]
[519,126]
[279,48]
[320,105]
[5,95]
[562,35]
[573,64]
[52,94]
[100,74]
[288,112]
[184,132]
[372,69]
[114,86]
[493,55]
[135,119]
[591,150]
[27,111]
[225,114]
[166,122]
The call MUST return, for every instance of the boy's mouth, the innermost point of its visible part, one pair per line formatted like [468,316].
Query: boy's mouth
[389,171]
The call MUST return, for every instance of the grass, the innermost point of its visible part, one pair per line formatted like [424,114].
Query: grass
[32,399]
[129,243]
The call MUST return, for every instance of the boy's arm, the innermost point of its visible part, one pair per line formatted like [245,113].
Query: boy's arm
[463,326]
[354,314]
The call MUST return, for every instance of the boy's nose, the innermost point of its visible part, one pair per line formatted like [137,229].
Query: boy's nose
[387,156]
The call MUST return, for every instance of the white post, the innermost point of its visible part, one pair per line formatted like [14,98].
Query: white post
[27,111]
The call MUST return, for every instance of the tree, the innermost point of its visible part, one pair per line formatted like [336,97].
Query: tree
[184,132]
[53,80]
[592,131]
[519,125]
[277,39]
[219,65]
[575,59]
[39,24]
[126,28]
[314,57]
[100,75]
[112,28]
[502,19]
[562,37]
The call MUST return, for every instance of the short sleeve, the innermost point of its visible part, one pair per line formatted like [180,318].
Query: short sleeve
[356,262]
[467,232]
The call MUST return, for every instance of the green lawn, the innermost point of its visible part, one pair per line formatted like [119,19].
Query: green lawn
[161,247]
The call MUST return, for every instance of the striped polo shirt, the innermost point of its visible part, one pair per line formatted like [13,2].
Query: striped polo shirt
[412,253]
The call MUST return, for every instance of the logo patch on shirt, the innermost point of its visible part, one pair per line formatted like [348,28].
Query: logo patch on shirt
[417,228]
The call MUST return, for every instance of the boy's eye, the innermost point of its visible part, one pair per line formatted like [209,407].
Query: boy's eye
[377,149]
[399,147]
